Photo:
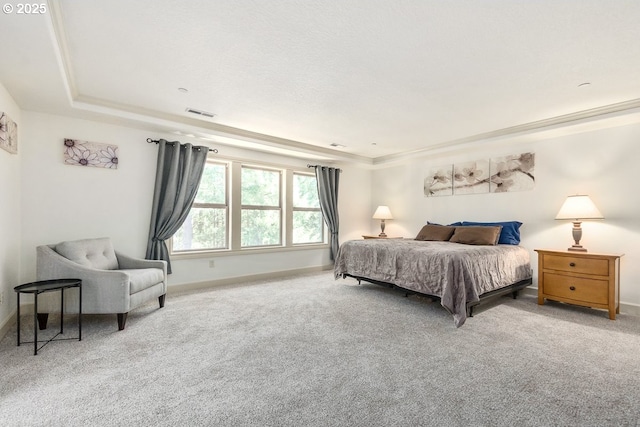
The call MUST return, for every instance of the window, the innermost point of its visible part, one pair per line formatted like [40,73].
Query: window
[308,225]
[245,207]
[206,226]
[261,216]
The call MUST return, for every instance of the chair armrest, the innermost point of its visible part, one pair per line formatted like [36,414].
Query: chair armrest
[126,262]
[103,291]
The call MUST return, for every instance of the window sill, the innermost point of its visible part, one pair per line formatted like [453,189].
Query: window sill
[245,251]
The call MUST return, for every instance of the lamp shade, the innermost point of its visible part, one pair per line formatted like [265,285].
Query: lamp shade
[382,212]
[579,207]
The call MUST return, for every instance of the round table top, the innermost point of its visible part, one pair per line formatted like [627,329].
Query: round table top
[47,285]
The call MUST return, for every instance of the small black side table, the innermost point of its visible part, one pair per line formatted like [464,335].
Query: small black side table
[37,288]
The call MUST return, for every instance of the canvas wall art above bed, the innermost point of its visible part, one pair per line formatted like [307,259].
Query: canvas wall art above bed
[496,175]
[459,264]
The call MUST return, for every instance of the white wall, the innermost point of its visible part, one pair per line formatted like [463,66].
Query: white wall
[52,202]
[10,221]
[62,202]
[353,199]
[601,163]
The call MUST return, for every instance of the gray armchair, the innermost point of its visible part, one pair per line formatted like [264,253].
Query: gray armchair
[111,282]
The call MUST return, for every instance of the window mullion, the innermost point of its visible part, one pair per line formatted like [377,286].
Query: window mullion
[288,207]
[307,209]
[236,206]
[261,207]
[298,225]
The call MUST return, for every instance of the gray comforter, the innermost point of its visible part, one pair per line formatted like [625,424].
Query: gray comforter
[454,272]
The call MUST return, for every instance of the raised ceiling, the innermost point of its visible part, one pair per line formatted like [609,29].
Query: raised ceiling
[379,78]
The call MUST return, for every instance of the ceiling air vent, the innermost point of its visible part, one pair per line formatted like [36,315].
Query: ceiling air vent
[333,144]
[200,112]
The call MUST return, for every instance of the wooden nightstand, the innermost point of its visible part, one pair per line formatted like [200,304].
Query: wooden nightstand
[378,237]
[580,278]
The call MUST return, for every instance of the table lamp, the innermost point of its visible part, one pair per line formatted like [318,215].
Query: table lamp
[576,208]
[382,213]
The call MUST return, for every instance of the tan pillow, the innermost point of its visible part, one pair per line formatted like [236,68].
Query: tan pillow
[476,235]
[440,233]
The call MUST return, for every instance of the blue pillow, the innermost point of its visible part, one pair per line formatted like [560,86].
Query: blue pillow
[510,234]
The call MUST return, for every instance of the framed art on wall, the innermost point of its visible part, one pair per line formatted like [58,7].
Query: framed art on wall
[513,173]
[8,134]
[439,181]
[471,177]
[91,154]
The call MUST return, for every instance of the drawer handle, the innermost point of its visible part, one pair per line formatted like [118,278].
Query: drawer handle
[572,264]
[573,288]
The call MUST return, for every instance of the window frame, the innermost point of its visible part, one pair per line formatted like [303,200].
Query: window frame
[226,206]
[306,209]
[277,207]
[233,178]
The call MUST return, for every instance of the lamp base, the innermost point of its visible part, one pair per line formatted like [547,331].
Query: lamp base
[382,229]
[577,235]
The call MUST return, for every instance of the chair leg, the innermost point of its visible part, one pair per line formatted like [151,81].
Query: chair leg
[161,300]
[42,320]
[122,319]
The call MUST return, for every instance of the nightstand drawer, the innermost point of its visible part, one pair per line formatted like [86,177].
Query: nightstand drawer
[580,278]
[576,288]
[598,267]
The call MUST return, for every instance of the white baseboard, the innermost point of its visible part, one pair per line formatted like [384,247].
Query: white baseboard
[625,308]
[241,280]
[172,290]
[7,324]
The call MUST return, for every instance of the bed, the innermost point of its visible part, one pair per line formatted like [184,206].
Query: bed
[460,275]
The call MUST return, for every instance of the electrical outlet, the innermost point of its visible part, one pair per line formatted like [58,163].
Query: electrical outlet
[212,263]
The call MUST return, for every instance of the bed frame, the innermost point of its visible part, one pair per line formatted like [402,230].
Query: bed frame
[484,298]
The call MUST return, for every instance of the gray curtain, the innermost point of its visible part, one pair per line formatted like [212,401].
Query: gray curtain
[178,176]
[328,179]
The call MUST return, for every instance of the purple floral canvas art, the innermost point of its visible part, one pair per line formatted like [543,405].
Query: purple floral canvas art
[84,153]
[8,134]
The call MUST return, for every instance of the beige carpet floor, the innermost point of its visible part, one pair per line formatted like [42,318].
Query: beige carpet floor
[313,351]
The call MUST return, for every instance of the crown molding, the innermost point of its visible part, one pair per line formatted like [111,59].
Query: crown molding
[217,133]
[59,41]
[604,114]
[212,132]
[205,130]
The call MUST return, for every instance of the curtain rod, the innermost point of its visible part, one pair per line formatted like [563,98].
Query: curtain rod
[320,166]
[149,140]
